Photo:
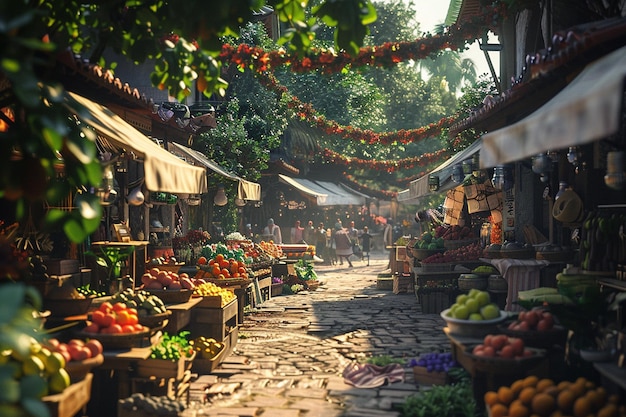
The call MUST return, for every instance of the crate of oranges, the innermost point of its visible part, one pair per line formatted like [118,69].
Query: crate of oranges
[544,397]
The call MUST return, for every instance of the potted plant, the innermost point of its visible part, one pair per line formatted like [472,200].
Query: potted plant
[111,258]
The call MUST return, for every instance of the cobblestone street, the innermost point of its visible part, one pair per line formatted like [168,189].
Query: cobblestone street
[292,350]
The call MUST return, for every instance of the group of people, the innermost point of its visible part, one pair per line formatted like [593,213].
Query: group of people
[334,245]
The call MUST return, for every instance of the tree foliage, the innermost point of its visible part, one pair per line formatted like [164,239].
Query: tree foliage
[41,139]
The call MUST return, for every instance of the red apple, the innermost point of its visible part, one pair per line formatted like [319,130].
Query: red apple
[175,285]
[186,283]
[146,278]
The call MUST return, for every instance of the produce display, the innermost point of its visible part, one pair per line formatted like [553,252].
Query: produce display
[74,350]
[601,244]
[157,279]
[435,362]
[501,346]
[428,241]
[272,249]
[545,397]
[212,251]
[476,305]
[142,301]
[28,378]
[209,289]
[535,319]
[469,252]
[223,267]
[159,406]
[172,347]
[164,260]
[206,347]
[484,270]
[115,318]
[455,232]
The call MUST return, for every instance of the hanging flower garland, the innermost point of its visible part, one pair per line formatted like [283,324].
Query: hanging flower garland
[305,111]
[425,159]
[455,37]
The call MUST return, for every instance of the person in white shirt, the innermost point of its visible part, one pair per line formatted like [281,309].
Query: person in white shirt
[273,230]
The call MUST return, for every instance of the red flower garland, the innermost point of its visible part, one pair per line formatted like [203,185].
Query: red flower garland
[425,159]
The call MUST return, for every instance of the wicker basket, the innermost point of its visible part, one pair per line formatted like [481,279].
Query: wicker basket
[78,370]
[423,377]
[499,365]
[420,254]
[497,283]
[66,307]
[119,340]
[470,281]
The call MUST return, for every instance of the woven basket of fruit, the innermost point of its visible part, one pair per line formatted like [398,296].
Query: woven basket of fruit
[537,328]
[112,341]
[420,254]
[498,364]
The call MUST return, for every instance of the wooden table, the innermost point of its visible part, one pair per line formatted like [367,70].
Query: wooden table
[140,245]
[181,315]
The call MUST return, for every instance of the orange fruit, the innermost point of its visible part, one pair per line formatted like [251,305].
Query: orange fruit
[601,392]
[530,381]
[544,383]
[202,260]
[527,394]
[582,407]
[517,386]
[499,410]
[491,398]
[565,400]
[563,385]
[517,409]
[219,257]
[609,410]
[543,404]
[505,395]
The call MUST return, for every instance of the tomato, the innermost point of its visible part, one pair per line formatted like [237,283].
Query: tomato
[115,328]
[478,350]
[507,352]
[132,311]
[517,344]
[122,317]
[128,328]
[106,307]
[488,339]
[498,341]
[139,327]
[119,306]
[92,328]
[107,320]
[98,317]
[202,260]
[489,352]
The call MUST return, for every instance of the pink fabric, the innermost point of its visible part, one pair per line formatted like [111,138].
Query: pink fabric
[365,375]
[520,275]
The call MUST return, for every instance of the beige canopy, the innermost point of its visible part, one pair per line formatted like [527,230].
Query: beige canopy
[162,170]
[587,109]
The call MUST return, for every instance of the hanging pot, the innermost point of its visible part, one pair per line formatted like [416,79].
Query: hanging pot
[135,197]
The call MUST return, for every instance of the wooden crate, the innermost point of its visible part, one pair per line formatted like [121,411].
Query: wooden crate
[211,301]
[156,387]
[215,315]
[423,377]
[71,400]
[206,366]
[434,302]
[160,368]
[384,283]
[403,283]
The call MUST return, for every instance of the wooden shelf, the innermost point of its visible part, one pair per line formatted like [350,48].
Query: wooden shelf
[613,283]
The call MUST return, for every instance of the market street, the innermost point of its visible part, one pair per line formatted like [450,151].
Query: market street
[291,352]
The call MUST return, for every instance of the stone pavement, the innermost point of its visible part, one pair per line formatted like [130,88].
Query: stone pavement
[292,350]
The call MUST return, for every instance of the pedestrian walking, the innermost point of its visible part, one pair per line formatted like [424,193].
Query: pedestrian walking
[272,231]
[297,233]
[366,241]
[308,235]
[343,245]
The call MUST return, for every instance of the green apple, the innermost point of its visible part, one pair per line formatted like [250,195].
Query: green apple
[490,311]
[461,298]
[472,306]
[473,292]
[483,298]
[453,307]
[476,317]
[461,313]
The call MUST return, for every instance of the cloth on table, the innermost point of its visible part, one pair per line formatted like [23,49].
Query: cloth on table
[365,375]
[520,275]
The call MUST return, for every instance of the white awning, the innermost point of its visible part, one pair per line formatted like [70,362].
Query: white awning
[419,188]
[162,170]
[246,190]
[325,193]
[586,110]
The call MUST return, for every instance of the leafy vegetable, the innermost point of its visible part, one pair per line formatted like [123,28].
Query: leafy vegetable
[384,360]
[442,401]
[172,347]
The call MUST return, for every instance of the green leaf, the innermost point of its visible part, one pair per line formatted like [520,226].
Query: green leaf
[11,299]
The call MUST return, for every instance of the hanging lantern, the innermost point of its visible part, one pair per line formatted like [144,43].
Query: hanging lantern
[433,182]
[240,202]
[220,198]
[136,197]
